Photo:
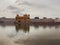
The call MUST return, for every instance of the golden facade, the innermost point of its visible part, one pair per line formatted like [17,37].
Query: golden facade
[25,17]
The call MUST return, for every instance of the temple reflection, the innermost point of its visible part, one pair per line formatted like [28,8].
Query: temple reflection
[25,28]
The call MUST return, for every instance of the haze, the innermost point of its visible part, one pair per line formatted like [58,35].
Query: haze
[41,8]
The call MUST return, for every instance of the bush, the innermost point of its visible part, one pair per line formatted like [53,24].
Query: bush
[36,17]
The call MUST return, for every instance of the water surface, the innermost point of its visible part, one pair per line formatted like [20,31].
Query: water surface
[29,35]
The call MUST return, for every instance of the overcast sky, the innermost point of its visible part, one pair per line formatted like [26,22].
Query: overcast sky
[41,8]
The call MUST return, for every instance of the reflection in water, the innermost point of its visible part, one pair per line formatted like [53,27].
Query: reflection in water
[43,35]
[38,34]
[25,28]
[45,26]
[36,26]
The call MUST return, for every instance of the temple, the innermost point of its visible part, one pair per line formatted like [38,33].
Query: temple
[25,17]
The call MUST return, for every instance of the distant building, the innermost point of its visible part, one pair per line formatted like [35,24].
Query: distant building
[25,17]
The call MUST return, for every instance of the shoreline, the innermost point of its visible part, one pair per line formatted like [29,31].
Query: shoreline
[12,21]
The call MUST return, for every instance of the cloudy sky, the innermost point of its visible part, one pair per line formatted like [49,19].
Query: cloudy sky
[41,8]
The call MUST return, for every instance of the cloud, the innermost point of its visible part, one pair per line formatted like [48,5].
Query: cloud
[30,4]
[12,7]
[48,8]
[37,7]
[15,10]
[49,4]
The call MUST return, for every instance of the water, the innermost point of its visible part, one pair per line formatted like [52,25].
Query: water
[29,35]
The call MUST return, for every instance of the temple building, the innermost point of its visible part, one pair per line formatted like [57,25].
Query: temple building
[25,17]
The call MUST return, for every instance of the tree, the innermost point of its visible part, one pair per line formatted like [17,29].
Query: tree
[36,17]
